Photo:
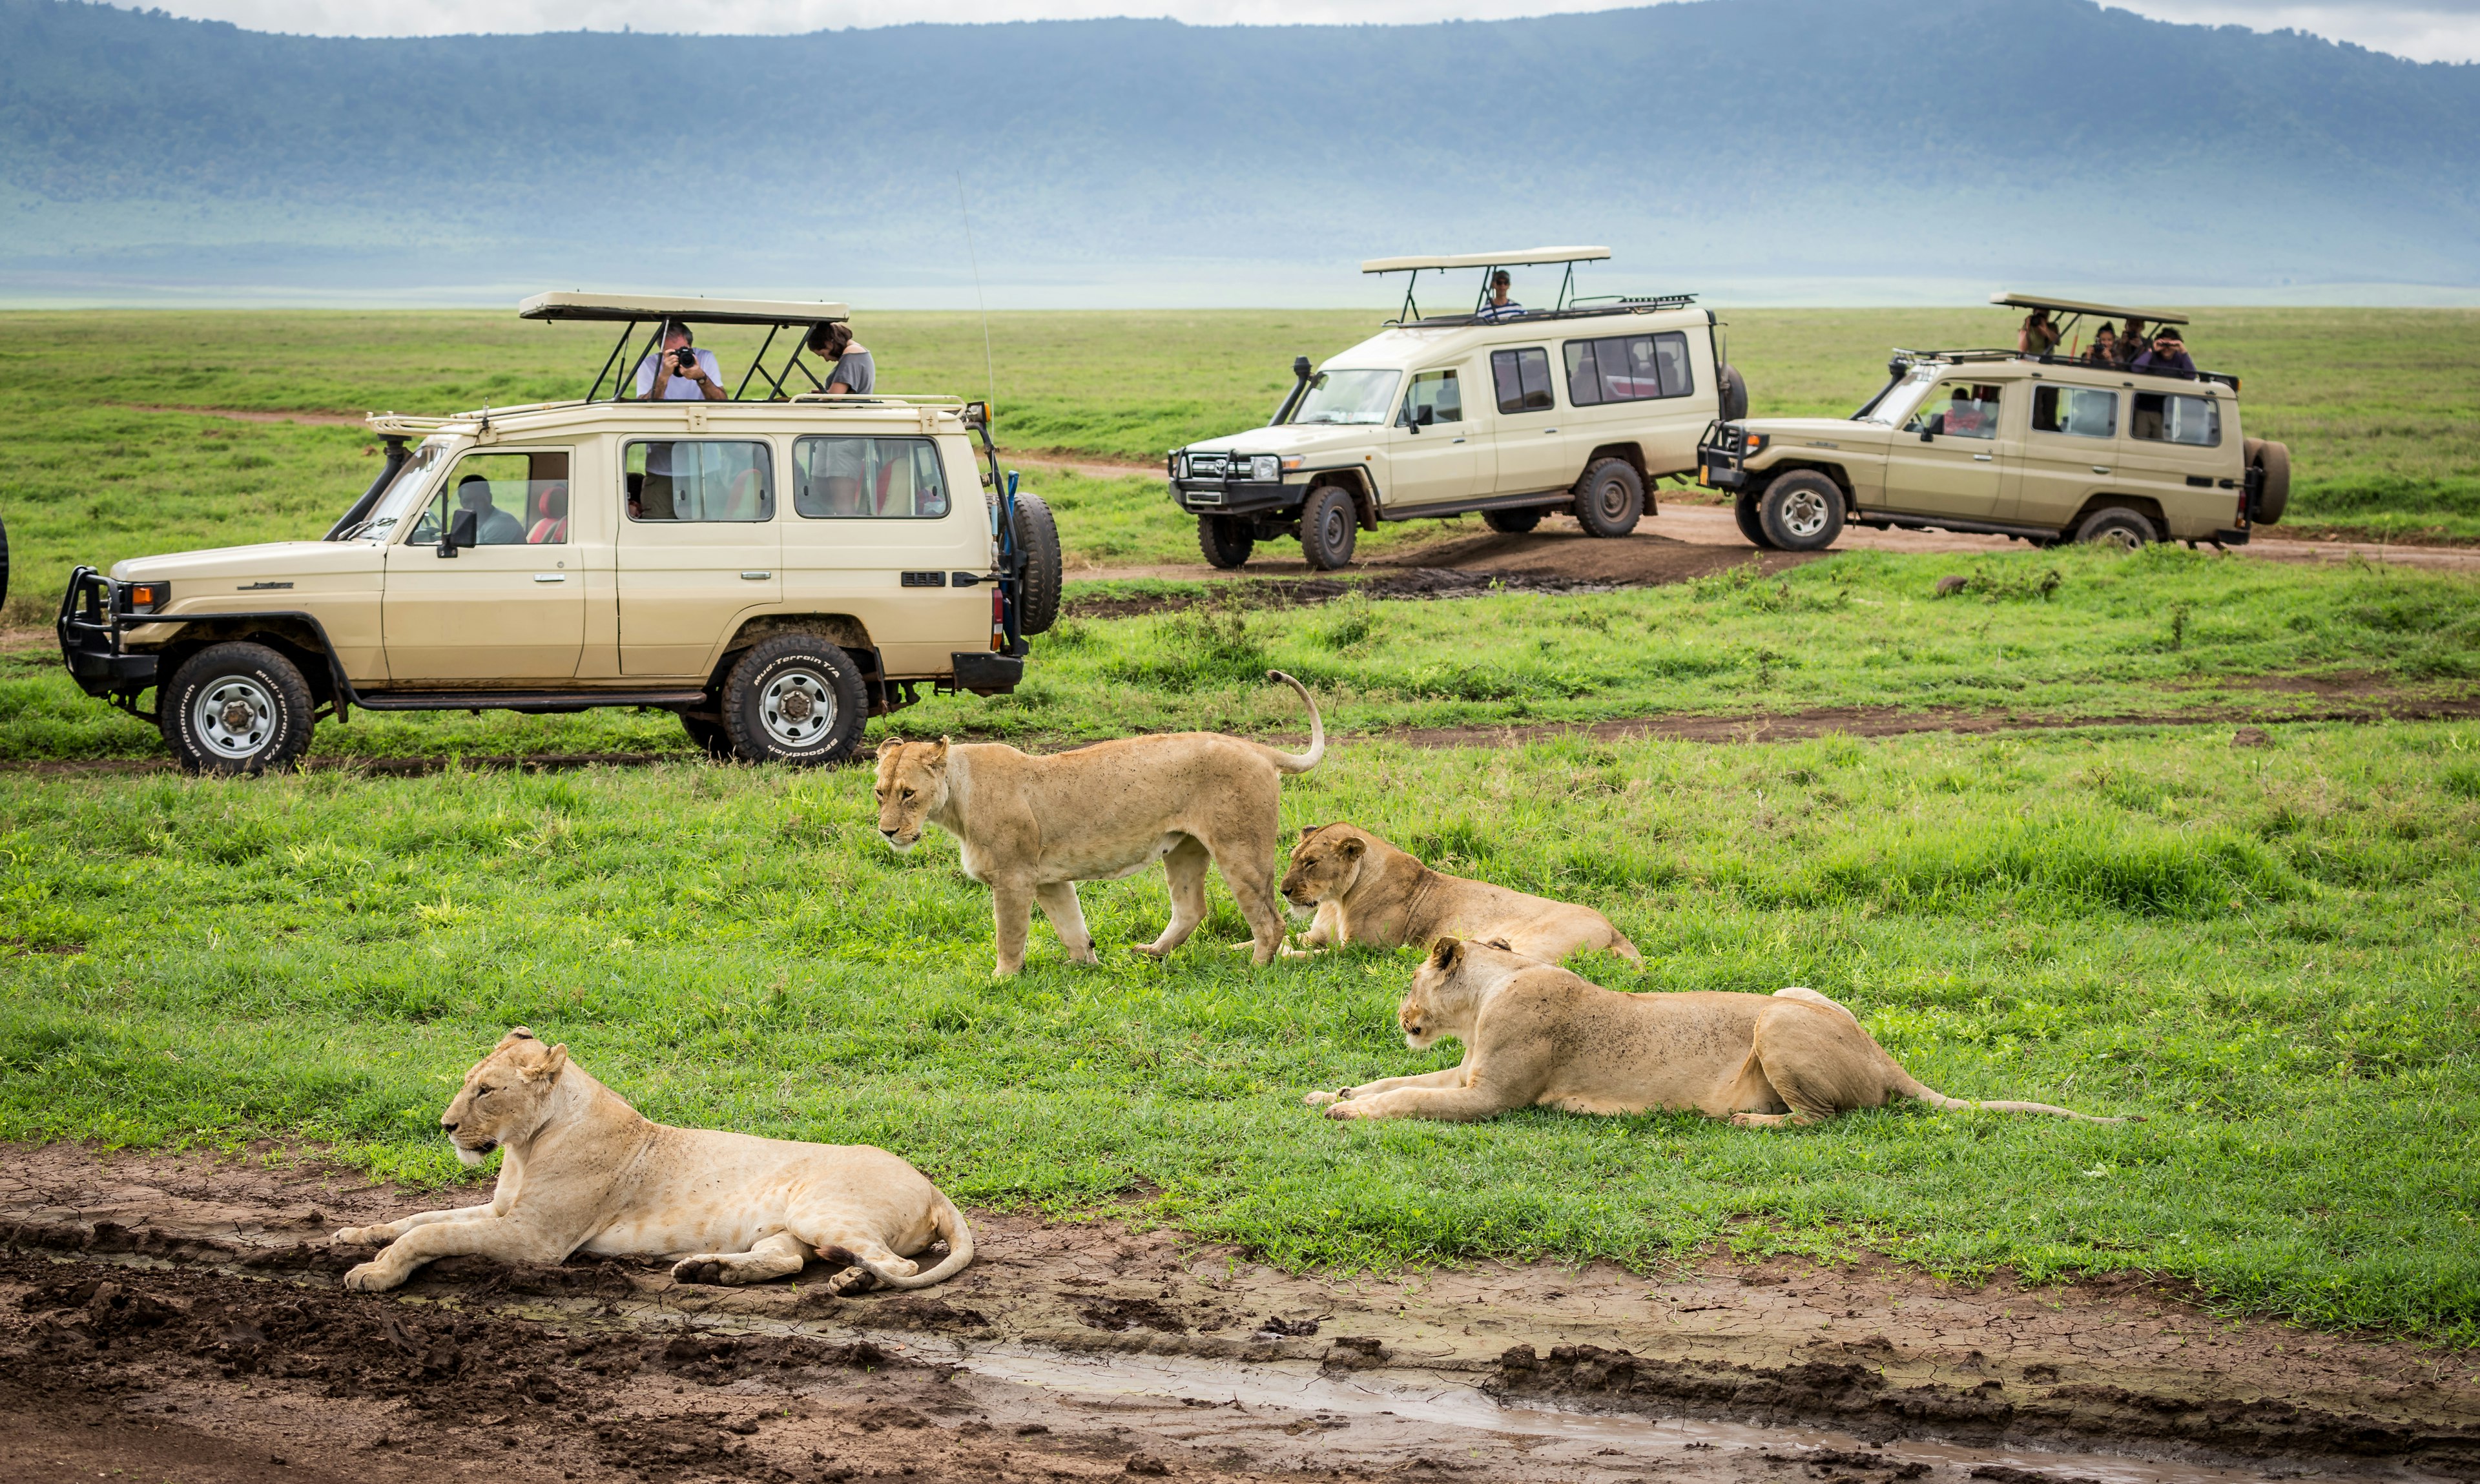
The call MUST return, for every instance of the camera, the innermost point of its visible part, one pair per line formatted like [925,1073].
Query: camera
[684,362]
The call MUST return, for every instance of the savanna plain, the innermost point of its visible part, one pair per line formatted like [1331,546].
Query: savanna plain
[2095,899]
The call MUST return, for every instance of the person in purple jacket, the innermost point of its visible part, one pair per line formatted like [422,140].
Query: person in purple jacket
[2168,356]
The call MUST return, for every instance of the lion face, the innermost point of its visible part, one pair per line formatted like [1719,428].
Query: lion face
[912,783]
[1325,863]
[504,1095]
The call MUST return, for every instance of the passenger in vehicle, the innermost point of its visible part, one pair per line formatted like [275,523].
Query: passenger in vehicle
[2036,335]
[551,516]
[493,527]
[2130,341]
[679,372]
[1500,306]
[2104,349]
[2168,356]
[850,369]
[649,493]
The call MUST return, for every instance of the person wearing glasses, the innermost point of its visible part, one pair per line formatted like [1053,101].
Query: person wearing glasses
[1500,306]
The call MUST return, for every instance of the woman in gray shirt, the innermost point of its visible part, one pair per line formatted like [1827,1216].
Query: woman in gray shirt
[850,366]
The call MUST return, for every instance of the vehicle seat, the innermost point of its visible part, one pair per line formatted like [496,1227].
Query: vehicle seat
[742,503]
[878,497]
[551,516]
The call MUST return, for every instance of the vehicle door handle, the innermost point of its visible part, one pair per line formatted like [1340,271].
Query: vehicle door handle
[550,577]
[1548,430]
[1459,440]
[756,576]
[2100,468]
[1983,458]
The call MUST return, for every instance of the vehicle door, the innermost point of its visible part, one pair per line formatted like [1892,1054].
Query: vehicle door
[698,547]
[2070,453]
[2171,449]
[510,608]
[881,529]
[1945,460]
[1531,459]
[1438,452]
[1640,388]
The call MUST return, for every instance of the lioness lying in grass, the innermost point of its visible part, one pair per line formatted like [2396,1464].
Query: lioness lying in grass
[585,1172]
[1536,1034]
[1031,827]
[1365,891]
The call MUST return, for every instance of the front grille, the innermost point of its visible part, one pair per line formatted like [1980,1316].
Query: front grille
[1210,465]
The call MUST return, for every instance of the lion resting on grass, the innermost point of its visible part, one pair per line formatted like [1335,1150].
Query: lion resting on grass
[1536,1034]
[1031,827]
[1367,891]
[584,1171]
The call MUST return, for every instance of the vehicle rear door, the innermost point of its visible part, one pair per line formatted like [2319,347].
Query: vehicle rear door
[1438,452]
[2070,451]
[1532,459]
[699,546]
[881,527]
[1946,458]
[511,607]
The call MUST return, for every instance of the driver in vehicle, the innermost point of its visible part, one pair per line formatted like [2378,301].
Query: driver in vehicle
[679,372]
[493,527]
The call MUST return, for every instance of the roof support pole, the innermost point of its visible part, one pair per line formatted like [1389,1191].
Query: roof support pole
[594,393]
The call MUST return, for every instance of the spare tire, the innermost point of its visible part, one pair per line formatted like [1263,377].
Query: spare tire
[1037,540]
[1735,394]
[4,565]
[2269,473]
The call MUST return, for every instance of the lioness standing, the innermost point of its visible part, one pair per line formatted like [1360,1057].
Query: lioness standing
[1536,1034]
[1366,890]
[1031,827]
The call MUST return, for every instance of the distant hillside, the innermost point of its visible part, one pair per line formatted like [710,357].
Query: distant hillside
[2032,140]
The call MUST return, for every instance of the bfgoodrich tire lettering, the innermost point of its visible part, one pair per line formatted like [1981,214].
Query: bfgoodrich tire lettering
[1330,528]
[2117,526]
[1610,499]
[1803,511]
[235,708]
[1225,540]
[794,698]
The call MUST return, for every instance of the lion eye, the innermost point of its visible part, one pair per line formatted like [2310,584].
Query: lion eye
[908,793]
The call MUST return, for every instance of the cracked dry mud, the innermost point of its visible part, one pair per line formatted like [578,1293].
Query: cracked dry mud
[177,1316]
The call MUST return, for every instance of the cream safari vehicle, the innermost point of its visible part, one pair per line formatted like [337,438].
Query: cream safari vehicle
[776,568]
[2046,449]
[1514,412]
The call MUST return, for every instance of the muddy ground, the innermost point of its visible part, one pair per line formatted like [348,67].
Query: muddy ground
[177,1316]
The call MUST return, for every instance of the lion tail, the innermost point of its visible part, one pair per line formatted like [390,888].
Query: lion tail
[1301,763]
[948,1223]
[1936,1099]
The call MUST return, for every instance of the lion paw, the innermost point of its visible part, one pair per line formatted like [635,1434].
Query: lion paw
[1348,1110]
[1320,1099]
[362,1236]
[852,1280]
[369,1278]
[699,1269]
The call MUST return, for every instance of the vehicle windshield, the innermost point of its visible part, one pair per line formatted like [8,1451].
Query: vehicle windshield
[1349,397]
[1897,404]
[403,495]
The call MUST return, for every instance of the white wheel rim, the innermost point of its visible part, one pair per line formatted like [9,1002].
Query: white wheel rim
[233,718]
[798,707]
[1804,513]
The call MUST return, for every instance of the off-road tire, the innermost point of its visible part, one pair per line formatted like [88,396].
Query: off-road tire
[4,565]
[710,736]
[2273,487]
[1037,537]
[1329,528]
[1225,540]
[1744,513]
[1513,523]
[234,708]
[2117,526]
[1735,394]
[1803,511]
[794,698]
[1610,499]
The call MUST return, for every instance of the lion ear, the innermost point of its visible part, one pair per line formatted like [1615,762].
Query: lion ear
[549,1068]
[517,1035]
[943,751]
[1447,952]
[1353,846]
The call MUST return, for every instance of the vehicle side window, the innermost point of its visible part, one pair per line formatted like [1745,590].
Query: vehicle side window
[699,479]
[1437,396]
[1957,409]
[868,478]
[1628,368]
[1522,379]
[2165,417]
[2080,411]
[517,498]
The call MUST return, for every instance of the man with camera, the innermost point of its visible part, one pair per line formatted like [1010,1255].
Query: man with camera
[679,374]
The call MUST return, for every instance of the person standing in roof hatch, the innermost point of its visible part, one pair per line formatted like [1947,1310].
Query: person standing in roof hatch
[1500,306]
[2037,337]
[679,372]
[850,370]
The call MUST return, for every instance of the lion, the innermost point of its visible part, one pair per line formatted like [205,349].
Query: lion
[584,1171]
[1031,827]
[1538,1035]
[1365,891]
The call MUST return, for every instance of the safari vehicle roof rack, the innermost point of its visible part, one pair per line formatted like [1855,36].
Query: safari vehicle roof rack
[2078,307]
[1901,361]
[632,309]
[1567,305]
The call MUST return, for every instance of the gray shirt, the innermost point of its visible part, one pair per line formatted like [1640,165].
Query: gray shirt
[855,370]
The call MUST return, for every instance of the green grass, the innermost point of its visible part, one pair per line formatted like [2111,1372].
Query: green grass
[2267,952]
[2381,407]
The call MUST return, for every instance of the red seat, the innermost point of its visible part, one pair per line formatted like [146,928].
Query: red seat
[551,512]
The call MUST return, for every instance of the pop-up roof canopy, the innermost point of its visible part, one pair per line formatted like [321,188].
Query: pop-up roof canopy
[2074,307]
[1521,257]
[619,308]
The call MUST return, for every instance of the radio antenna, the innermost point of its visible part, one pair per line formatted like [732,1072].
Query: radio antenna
[990,365]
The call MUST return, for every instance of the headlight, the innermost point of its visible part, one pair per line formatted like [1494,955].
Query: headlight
[146,596]
[1266,467]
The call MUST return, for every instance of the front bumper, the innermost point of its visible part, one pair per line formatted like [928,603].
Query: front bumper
[90,628]
[1233,496]
[1722,458]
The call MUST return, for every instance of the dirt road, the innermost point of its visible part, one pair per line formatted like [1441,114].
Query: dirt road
[179,1317]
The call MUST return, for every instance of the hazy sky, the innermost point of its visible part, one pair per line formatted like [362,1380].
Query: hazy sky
[2428,30]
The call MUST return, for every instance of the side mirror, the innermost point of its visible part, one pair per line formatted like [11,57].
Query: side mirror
[1427,416]
[464,530]
[1926,436]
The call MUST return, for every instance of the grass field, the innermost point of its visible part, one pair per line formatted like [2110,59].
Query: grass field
[2381,407]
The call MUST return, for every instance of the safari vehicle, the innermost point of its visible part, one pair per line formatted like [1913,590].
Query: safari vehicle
[2045,449]
[1574,409]
[776,568]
